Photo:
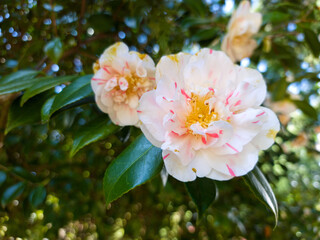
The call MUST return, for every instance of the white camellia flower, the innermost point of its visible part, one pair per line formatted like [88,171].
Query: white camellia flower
[120,79]
[205,115]
[238,43]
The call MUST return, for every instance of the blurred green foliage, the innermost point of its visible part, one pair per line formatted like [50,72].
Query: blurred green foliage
[47,194]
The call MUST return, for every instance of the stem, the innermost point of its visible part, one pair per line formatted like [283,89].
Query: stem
[54,23]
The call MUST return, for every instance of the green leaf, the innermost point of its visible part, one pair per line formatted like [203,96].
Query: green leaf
[97,129]
[280,90]
[12,193]
[275,17]
[203,192]
[54,49]
[17,81]
[46,108]
[29,113]
[197,7]
[259,185]
[312,41]
[77,90]
[3,177]
[204,34]
[44,84]
[134,166]
[37,196]
[306,108]
[193,21]
[23,173]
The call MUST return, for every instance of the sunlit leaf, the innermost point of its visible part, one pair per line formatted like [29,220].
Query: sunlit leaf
[54,49]
[137,164]
[306,108]
[77,90]
[259,185]
[44,84]
[17,81]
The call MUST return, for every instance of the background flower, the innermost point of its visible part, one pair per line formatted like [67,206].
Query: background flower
[238,42]
[205,114]
[121,77]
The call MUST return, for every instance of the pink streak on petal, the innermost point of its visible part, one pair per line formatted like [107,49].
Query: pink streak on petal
[174,133]
[232,147]
[260,114]
[152,78]
[164,98]
[172,111]
[99,79]
[256,121]
[227,99]
[166,156]
[138,111]
[185,94]
[238,103]
[210,51]
[171,120]
[106,69]
[204,140]
[211,89]
[221,131]
[214,135]
[230,171]
[175,84]
[127,65]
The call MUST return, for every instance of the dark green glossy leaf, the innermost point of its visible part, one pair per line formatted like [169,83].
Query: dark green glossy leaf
[312,41]
[204,34]
[54,49]
[12,193]
[37,196]
[17,81]
[3,177]
[77,90]
[203,192]
[193,21]
[29,113]
[44,84]
[275,17]
[259,185]
[134,166]
[97,129]
[23,173]
[197,7]
[46,108]
[306,108]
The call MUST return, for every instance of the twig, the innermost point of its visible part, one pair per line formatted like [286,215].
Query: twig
[54,23]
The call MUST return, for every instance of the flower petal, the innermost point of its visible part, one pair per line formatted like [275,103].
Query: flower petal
[269,130]
[152,116]
[176,169]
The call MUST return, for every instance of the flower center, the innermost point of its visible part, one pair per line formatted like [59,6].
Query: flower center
[136,85]
[201,111]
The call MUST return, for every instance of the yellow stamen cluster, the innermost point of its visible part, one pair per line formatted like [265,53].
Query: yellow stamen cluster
[200,111]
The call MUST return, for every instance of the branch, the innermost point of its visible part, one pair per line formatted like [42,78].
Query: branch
[54,23]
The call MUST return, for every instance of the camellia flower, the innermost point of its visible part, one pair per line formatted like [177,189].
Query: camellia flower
[205,115]
[238,43]
[120,79]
